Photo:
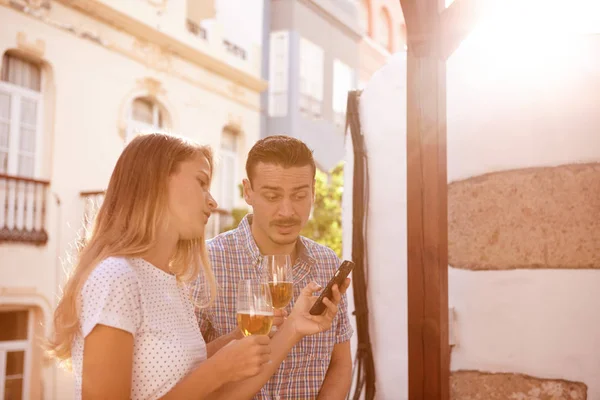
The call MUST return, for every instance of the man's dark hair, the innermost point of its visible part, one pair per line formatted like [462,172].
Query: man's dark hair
[280,150]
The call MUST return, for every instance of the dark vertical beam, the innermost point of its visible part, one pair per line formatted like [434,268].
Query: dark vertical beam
[428,348]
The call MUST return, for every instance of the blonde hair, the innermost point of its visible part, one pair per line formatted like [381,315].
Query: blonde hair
[128,223]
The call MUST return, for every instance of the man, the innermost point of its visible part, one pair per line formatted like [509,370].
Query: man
[280,188]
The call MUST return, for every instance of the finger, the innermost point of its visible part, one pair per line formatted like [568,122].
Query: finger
[279,313]
[254,371]
[345,285]
[264,350]
[337,297]
[310,289]
[264,359]
[261,339]
[277,321]
[331,307]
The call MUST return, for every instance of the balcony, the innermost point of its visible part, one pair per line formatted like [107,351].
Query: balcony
[23,210]
[91,204]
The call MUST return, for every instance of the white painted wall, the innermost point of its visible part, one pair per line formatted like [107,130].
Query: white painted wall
[385,135]
[501,115]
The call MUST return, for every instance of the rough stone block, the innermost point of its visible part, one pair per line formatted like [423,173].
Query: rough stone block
[475,385]
[530,218]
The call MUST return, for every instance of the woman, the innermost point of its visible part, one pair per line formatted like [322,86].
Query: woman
[126,320]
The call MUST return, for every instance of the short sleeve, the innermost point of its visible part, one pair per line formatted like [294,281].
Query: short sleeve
[343,331]
[342,326]
[111,297]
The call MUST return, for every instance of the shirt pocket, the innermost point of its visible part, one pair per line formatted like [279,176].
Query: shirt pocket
[315,350]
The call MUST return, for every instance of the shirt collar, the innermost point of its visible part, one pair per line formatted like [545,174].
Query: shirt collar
[244,231]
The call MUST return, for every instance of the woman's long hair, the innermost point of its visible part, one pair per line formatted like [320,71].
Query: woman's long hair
[128,223]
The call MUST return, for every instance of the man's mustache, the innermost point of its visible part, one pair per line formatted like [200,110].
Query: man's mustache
[285,222]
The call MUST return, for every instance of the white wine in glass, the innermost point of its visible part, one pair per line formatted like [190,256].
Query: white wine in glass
[254,308]
[277,272]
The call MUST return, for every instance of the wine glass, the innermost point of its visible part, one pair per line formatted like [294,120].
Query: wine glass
[277,273]
[254,308]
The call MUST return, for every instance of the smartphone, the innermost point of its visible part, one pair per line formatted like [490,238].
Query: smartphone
[338,278]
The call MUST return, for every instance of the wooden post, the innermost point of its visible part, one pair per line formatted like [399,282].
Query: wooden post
[433,33]
[428,348]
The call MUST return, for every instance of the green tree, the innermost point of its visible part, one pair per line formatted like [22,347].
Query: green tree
[325,226]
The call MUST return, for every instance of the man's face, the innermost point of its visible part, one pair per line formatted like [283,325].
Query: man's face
[281,199]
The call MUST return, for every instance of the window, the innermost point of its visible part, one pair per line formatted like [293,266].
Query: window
[145,115]
[311,79]
[20,116]
[384,26]
[228,169]
[278,71]
[343,81]
[364,15]
[15,353]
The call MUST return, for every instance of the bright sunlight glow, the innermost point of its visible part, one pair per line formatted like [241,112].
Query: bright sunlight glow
[530,38]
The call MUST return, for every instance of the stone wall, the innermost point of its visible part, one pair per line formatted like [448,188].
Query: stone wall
[474,385]
[547,217]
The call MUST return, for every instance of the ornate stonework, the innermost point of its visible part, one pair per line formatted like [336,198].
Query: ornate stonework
[152,86]
[152,55]
[35,48]
[144,51]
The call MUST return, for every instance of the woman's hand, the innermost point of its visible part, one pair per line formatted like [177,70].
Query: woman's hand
[243,358]
[303,322]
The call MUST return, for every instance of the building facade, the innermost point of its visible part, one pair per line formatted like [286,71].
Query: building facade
[383,33]
[312,64]
[78,80]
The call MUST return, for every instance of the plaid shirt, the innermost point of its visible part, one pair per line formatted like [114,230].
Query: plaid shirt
[234,256]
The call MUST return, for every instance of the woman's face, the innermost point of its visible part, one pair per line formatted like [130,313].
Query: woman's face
[190,201]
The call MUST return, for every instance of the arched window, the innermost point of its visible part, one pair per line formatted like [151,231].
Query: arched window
[20,115]
[145,115]
[384,29]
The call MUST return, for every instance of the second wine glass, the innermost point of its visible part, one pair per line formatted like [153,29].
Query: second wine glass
[277,273]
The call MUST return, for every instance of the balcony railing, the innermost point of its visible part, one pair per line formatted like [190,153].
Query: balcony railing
[91,204]
[93,200]
[23,210]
